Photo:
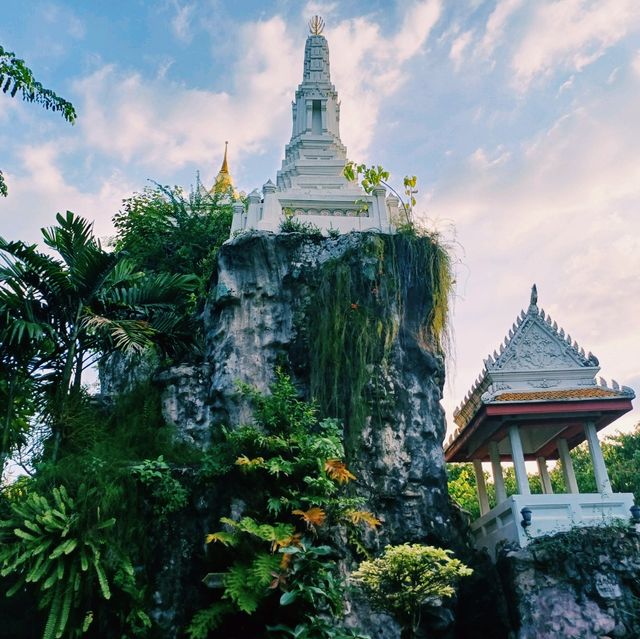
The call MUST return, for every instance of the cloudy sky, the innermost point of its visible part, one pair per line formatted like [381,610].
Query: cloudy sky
[521,120]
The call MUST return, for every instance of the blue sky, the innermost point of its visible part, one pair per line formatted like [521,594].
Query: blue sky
[519,118]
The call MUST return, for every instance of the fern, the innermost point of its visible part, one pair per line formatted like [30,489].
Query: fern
[208,619]
[56,548]
[262,570]
[238,588]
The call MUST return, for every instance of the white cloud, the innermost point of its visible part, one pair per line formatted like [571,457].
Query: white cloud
[368,68]
[148,122]
[635,63]
[181,23]
[495,29]
[561,211]
[38,190]
[570,35]
[418,21]
[59,15]
[322,9]
[458,47]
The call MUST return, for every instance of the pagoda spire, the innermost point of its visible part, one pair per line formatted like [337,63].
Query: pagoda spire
[223,181]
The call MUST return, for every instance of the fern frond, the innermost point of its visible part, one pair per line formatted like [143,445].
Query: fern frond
[102,579]
[236,583]
[65,609]
[225,538]
[51,627]
[208,619]
[263,568]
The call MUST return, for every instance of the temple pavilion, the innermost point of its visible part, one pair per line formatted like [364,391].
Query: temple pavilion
[535,400]
[310,185]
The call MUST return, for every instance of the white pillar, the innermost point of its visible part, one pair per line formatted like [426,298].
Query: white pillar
[545,480]
[599,469]
[567,466]
[483,498]
[517,455]
[496,468]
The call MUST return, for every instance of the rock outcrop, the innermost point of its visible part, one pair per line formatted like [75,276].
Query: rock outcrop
[581,584]
[351,319]
[265,312]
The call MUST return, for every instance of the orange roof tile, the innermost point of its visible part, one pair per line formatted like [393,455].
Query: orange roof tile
[552,395]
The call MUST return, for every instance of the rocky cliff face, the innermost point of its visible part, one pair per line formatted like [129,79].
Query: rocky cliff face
[581,584]
[348,317]
[351,319]
[265,312]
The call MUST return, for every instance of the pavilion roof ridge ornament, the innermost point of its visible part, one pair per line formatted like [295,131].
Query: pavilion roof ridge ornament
[510,350]
[316,25]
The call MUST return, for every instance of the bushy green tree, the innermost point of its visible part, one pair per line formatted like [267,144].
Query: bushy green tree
[406,577]
[165,230]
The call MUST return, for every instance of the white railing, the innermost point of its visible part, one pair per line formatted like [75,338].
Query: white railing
[549,514]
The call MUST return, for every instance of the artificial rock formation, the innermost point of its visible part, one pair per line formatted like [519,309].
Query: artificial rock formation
[350,319]
[351,316]
[582,584]
[263,314]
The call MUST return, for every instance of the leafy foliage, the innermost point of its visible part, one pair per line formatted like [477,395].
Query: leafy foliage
[61,313]
[120,464]
[291,224]
[289,475]
[164,230]
[167,494]
[16,77]
[408,576]
[357,302]
[370,177]
[61,546]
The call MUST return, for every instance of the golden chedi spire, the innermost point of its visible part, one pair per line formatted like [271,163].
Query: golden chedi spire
[224,181]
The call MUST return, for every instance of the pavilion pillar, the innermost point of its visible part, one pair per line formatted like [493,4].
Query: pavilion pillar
[545,480]
[599,469]
[496,469]
[567,466]
[517,455]
[481,486]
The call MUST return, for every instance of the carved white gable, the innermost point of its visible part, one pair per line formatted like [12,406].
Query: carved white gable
[535,346]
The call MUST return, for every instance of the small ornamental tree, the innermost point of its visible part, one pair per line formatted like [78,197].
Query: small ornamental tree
[408,576]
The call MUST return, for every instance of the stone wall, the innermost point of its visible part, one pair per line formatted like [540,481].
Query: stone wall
[584,584]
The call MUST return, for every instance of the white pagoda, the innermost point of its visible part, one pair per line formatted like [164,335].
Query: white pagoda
[310,185]
[535,400]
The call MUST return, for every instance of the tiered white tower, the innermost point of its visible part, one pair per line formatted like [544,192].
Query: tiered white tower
[310,185]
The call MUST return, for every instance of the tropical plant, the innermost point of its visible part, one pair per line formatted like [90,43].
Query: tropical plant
[406,577]
[369,177]
[60,545]
[288,472]
[16,77]
[165,230]
[61,314]
[291,224]
[167,494]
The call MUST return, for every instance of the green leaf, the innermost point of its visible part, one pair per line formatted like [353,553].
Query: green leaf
[288,597]
[102,579]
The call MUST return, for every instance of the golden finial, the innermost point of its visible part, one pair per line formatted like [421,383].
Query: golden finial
[316,25]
